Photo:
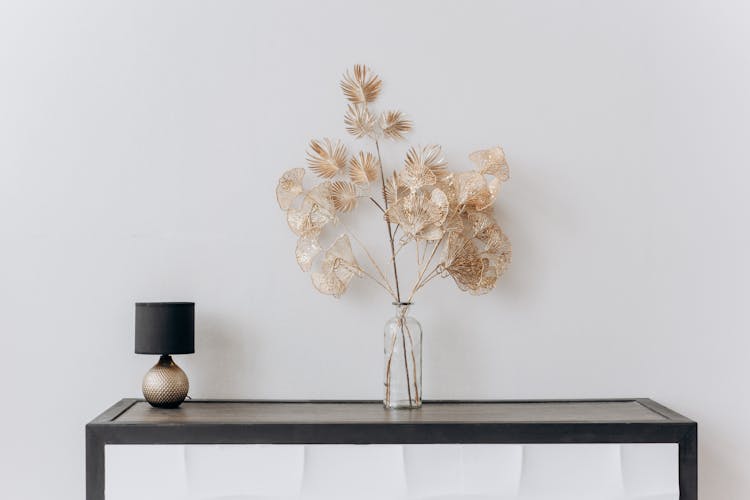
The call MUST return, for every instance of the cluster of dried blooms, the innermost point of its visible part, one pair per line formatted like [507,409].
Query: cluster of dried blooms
[447,215]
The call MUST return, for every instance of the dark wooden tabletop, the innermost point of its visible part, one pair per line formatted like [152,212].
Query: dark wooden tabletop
[135,412]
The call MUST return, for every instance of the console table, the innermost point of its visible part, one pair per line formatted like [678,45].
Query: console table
[552,450]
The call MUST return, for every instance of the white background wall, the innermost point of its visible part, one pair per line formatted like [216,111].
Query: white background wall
[140,144]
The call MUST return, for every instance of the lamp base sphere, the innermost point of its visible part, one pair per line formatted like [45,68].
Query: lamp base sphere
[165,385]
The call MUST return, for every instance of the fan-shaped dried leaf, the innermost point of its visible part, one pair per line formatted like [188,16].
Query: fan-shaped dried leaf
[290,185]
[416,214]
[328,284]
[462,262]
[361,86]
[359,121]
[326,158]
[492,162]
[338,268]
[472,191]
[363,168]
[423,167]
[307,249]
[307,222]
[394,124]
[320,197]
[480,222]
[440,201]
[344,196]
[395,189]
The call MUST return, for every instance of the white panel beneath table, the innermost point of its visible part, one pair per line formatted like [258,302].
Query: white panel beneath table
[393,472]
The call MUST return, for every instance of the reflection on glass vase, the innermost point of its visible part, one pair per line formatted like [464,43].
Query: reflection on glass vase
[403,360]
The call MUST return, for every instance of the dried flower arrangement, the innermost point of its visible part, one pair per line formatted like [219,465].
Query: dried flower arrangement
[447,215]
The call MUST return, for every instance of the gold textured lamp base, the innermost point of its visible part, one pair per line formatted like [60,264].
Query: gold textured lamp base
[165,385]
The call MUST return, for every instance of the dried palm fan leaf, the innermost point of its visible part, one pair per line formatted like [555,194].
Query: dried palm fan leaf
[422,167]
[415,213]
[326,158]
[361,86]
[492,162]
[307,249]
[395,189]
[363,168]
[337,269]
[344,196]
[359,121]
[290,185]
[394,124]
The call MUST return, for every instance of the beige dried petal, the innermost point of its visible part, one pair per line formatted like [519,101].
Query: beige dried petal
[326,158]
[307,249]
[487,279]
[414,213]
[328,284]
[344,196]
[359,121]
[422,167]
[480,222]
[307,222]
[432,232]
[363,168]
[492,162]
[290,185]
[462,262]
[361,85]
[340,259]
[472,190]
[440,201]
[394,124]
[338,268]
[395,189]
[320,197]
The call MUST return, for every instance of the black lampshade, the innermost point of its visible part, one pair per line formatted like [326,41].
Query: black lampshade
[164,327]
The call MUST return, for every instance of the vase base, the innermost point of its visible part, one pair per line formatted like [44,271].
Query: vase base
[402,405]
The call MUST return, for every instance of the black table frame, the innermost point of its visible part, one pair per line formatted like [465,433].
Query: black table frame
[675,428]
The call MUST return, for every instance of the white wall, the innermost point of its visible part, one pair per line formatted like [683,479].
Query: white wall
[140,143]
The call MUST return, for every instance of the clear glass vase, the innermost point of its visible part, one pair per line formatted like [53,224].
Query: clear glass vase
[402,382]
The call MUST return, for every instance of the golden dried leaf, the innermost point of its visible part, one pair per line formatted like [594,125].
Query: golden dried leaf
[417,215]
[338,268]
[307,249]
[363,168]
[308,221]
[462,262]
[480,223]
[359,121]
[472,191]
[326,158]
[361,86]
[320,197]
[394,124]
[422,167]
[492,162]
[344,196]
[395,189]
[290,185]
[440,201]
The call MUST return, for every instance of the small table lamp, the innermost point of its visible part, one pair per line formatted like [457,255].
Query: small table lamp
[165,328]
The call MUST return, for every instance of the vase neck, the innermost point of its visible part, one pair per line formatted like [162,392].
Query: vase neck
[402,308]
